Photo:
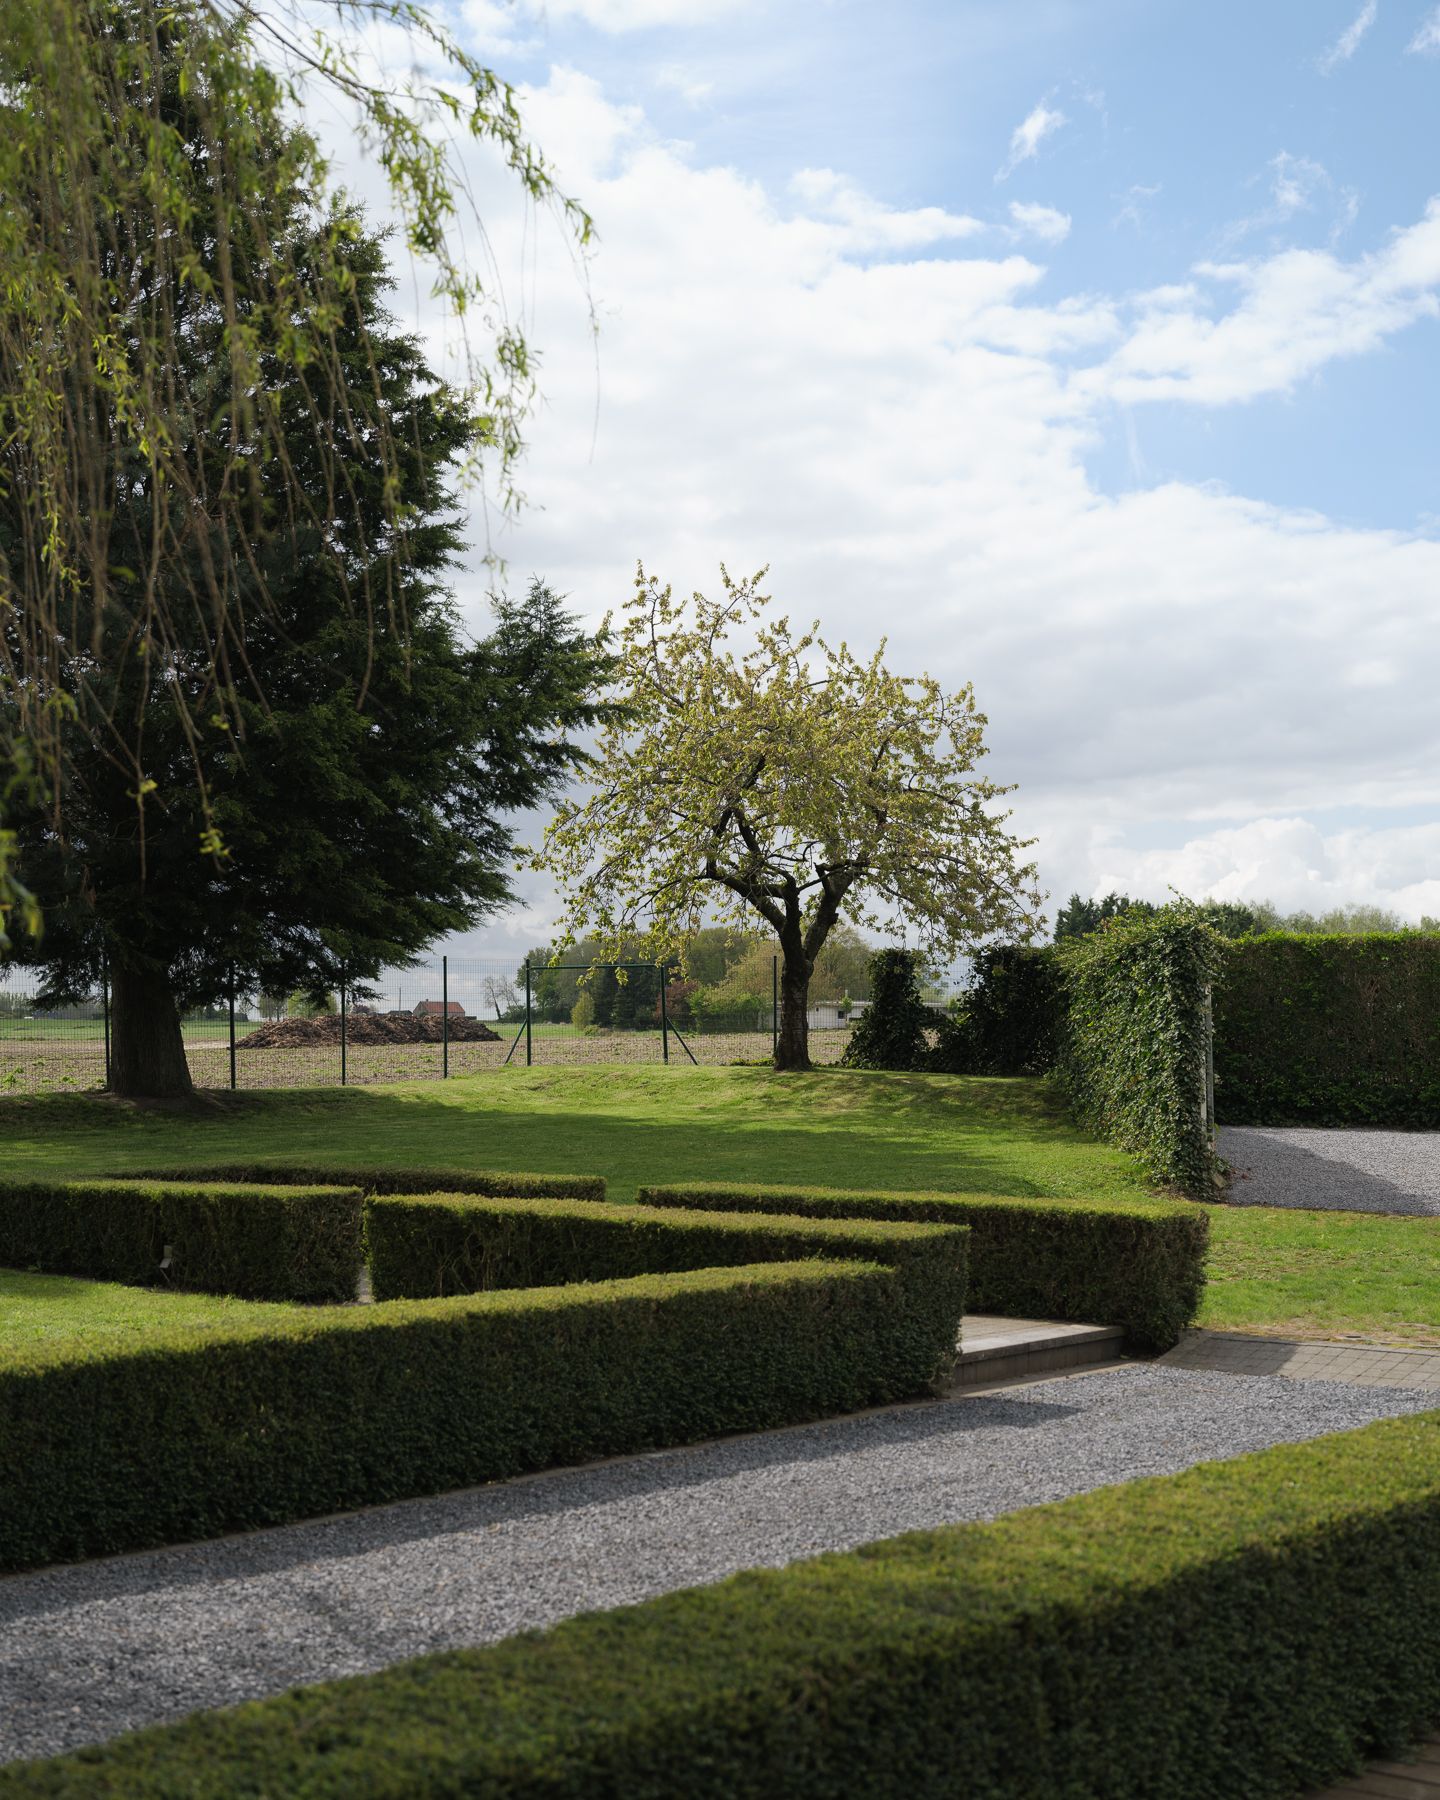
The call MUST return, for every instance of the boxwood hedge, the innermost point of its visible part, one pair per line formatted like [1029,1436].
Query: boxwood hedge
[1243,1631]
[1136,1264]
[264,1242]
[372,1180]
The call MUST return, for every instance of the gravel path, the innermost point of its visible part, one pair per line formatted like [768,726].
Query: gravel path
[98,1648]
[1335,1169]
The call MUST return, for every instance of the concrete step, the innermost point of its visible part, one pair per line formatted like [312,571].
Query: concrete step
[995,1349]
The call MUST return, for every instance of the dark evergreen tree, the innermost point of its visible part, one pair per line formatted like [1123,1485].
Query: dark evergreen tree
[362,759]
[1078,917]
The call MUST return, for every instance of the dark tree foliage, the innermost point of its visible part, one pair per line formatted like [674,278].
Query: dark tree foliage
[891,1033]
[1008,1020]
[1079,917]
[360,781]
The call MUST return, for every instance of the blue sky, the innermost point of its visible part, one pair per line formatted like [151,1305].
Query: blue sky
[1091,352]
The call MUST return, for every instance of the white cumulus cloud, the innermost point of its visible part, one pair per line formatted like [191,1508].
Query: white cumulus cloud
[1039,123]
[1349,39]
[1047,223]
[1426,41]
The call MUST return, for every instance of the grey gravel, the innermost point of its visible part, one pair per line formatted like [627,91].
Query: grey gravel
[1333,1168]
[95,1649]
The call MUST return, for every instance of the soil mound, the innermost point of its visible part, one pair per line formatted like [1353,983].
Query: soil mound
[364,1028]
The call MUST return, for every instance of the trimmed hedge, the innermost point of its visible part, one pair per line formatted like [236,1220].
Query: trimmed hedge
[1008,1020]
[1329,1030]
[372,1180]
[433,1244]
[257,1242]
[187,1436]
[1139,1265]
[1136,1031]
[1243,1631]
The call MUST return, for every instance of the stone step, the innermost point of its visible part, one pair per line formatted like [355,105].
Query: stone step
[996,1349]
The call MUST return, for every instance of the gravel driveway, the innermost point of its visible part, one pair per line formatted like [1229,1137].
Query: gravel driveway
[1332,1168]
[98,1648]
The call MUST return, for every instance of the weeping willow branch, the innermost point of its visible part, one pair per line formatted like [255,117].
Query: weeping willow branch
[174,417]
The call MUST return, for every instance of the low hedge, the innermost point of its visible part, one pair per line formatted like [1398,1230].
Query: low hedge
[257,1242]
[1329,1030]
[1243,1631]
[1139,1265]
[187,1436]
[425,1245]
[372,1180]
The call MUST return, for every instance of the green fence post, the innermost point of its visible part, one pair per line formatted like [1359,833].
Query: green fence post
[343,1032]
[105,1011]
[444,1018]
[527,1013]
[774,1004]
[232,1028]
[664,1019]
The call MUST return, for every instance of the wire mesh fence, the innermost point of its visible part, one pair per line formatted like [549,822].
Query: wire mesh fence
[435,1020]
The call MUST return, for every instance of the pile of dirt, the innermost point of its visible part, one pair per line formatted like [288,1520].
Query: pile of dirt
[364,1028]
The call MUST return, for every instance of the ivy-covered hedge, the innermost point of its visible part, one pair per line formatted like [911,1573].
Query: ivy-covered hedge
[371,1180]
[443,1243]
[262,1242]
[1135,1264]
[1329,1030]
[1133,1048]
[1244,1631]
[188,1435]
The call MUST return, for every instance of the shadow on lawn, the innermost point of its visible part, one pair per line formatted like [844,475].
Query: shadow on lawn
[385,1127]
[547,1494]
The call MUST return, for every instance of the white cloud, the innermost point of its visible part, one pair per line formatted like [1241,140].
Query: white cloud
[904,438]
[1426,41]
[1297,310]
[636,15]
[1025,141]
[1132,205]
[1044,222]
[1292,862]
[1348,41]
[865,224]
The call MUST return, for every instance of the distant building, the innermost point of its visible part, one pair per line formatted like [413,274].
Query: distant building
[434,1009]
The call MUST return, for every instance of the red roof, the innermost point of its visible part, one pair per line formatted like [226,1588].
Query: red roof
[432,1009]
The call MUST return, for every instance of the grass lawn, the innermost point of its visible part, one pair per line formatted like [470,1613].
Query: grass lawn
[40,1311]
[1315,1274]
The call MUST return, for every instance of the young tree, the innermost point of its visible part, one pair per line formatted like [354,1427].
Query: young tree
[362,801]
[784,780]
[170,349]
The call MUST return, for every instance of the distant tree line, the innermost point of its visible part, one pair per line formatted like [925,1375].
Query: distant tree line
[1237,919]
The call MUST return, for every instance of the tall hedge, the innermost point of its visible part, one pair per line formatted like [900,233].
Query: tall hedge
[1134,1044]
[1329,1030]
[1008,1020]
[892,1031]
[1247,1630]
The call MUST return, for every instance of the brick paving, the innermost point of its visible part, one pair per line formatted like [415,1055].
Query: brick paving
[1362,1365]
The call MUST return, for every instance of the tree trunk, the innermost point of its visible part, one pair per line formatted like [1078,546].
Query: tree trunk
[792,1046]
[147,1051]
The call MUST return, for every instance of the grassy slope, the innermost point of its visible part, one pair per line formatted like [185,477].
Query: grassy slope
[37,1311]
[1317,1273]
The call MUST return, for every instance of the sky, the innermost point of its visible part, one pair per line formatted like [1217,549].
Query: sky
[1088,353]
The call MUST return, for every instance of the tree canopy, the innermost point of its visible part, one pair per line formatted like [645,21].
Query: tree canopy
[363,800]
[176,318]
[755,773]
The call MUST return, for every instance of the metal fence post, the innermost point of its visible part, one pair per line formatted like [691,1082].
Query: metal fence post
[343,1030]
[527,1013]
[444,1018]
[664,1018]
[774,1004]
[105,1011]
[232,1028]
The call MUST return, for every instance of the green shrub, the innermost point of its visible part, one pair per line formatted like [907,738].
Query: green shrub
[1329,1030]
[1008,1021]
[187,1436]
[1244,1631]
[371,1180]
[433,1244]
[1138,1265]
[271,1242]
[1133,1047]
[892,1030]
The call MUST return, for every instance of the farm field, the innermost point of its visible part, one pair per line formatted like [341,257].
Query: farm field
[1289,1272]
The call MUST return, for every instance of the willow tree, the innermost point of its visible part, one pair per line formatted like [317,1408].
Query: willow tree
[152,176]
[751,773]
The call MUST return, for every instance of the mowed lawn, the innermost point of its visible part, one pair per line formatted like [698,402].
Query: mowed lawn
[1316,1274]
